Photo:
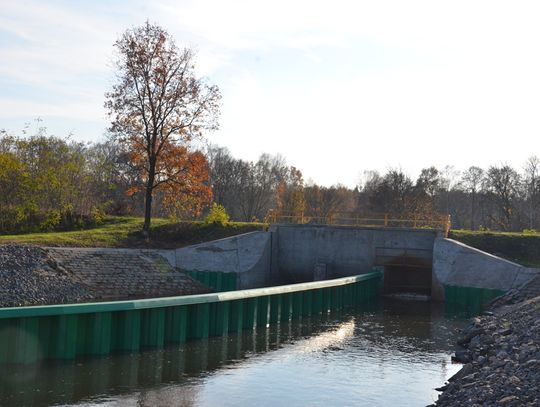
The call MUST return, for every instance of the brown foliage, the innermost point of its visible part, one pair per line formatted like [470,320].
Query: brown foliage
[181,179]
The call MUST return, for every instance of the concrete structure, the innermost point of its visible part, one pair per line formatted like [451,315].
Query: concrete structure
[249,255]
[297,253]
[417,260]
[413,260]
[347,251]
[457,264]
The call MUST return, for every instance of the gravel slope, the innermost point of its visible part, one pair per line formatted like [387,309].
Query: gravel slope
[30,276]
[501,356]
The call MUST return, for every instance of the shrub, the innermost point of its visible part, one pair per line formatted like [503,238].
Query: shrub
[97,216]
[51,220]
[217,215]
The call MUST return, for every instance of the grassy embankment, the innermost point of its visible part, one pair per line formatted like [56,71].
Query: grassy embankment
[521,248]
[126,232]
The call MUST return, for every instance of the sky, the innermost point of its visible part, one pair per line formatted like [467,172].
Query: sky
[337,87]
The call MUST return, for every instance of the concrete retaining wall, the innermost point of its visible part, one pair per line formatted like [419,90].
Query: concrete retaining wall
[343,251]
[299,253]
[249,255]
[457,264]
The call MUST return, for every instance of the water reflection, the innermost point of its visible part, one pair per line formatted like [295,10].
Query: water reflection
[331,359]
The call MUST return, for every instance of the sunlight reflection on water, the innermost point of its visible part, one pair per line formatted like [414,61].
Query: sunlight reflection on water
[395,354]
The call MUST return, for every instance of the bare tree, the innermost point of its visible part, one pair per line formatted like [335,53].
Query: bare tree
[449,175]
[532,183]
[259,192]
[393,193]
[323,202]
[426,189]
[502,183]
[472,182]
[157,103]
[429,181]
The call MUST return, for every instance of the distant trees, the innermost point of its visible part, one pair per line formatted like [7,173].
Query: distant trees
[497,198]
[249,189]
[49,183]
[158,106]
[393,193]
[532,189]
[290,192]
[471,181]
[259,186]
[323,202]
[502,185]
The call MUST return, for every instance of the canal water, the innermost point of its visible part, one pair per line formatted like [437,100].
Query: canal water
[394,353]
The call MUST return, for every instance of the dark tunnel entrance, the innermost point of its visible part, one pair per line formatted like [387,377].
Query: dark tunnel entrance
[406,279]
[406,270]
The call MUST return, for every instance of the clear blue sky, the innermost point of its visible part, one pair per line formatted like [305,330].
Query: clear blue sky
[336,87]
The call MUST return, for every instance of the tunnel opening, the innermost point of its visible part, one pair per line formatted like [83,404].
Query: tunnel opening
[406,270]
[406,279]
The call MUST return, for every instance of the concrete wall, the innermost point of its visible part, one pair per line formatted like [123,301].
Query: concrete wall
[300,253]
[249,255]
[455,263]
[345,251]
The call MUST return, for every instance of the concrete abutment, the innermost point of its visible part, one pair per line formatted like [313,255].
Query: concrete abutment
[420,261]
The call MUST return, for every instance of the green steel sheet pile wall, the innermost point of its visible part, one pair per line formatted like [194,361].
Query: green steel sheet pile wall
[29,334]
[468,300]
[218,280]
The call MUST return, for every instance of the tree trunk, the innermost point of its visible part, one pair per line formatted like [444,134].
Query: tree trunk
[148,198]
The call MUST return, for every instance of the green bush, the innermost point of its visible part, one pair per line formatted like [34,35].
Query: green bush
[217,215]
[51,220]
[97,217]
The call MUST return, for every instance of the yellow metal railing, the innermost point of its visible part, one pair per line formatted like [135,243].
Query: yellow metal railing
[434,221]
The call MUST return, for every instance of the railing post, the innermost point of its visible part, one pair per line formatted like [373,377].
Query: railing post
[385,220]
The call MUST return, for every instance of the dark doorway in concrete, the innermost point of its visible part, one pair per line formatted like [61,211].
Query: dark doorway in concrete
[407,279]
[406,269]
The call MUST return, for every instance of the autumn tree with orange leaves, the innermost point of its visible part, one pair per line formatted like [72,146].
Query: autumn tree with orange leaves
[183,186]
[158,107]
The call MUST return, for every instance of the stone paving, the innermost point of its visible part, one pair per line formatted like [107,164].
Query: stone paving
[117,274]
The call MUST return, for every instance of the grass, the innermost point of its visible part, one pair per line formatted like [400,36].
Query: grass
[126,232]
[522,248]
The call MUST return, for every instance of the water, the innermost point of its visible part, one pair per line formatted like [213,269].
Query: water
[394,354]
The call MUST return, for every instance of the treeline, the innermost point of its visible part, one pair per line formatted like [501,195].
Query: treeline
[497,198]
[48,183]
